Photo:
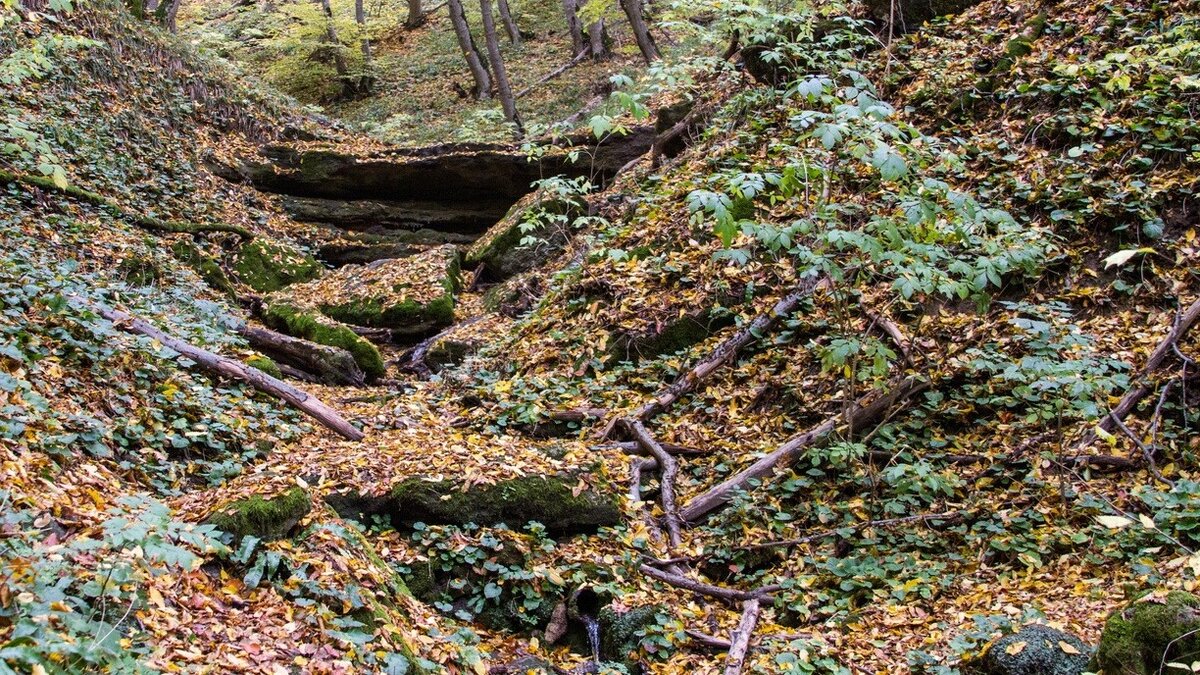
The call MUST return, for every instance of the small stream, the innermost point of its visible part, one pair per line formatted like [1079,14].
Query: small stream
[593,634]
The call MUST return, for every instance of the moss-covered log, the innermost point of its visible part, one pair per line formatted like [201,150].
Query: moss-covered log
[332,365]
[298,323]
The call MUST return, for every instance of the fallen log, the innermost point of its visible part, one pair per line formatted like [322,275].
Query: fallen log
[668,469]
[330,365]
[862,411]
[233,369]
[739,640]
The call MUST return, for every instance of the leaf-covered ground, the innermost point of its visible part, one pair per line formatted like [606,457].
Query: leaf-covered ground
[999,205]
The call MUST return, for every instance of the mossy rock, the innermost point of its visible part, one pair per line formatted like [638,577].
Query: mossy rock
[267,266]
[1155,629]
[139,271]
[547,217]
[619,639]
[266,519]
[265,364]
[299,323]
[203,265]
[675,336]
[515,502]
[409,296]
[1034,650]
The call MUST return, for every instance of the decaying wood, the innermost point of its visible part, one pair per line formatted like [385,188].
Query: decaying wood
[697,117]
[234,369]
[726,351]
[636,467]
[739,640]
[861,412]
[891,330]
[634,448]
[668,470]
[1130,400]
[701,588]
[414,360]
[330,365]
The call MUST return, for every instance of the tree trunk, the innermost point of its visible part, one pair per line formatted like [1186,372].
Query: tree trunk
[365,79]
[641,33]
[514,35]
[165,12]
[416,15]
[502,85]
[598,37]
[574,28]
[234,369]
[331,37]
[483,82]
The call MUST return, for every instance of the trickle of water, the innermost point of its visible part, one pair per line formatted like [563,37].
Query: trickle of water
[593,633]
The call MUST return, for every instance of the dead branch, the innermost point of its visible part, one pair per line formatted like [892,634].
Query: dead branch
[634,448]
[668,471]
[701,588]
[413,361]
[891,330]
[698,116]
[859,413]
[1130,400]
[234,369]
[553,74]
[1146,453]
[739,641]
[726,351]
[638,465]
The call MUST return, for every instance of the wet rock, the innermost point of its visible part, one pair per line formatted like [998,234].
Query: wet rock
[1160,627]
[1035,650]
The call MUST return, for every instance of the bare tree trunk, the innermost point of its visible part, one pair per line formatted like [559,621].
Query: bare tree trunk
[510,26]
[502,84]
[164,12]
[416,15]
[598,37]
[339,60]
[483,82]
[641,33]
[573,26]
[365,79]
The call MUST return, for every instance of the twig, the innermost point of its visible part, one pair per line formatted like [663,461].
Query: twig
[553,74]
[739,641]
[701,588]
[892,330]
[1150,465]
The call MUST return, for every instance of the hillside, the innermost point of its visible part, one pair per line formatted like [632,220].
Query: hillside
[845,349]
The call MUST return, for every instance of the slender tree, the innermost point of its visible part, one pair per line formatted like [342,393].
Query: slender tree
[574,28]
[366,79]
[416,15]
[507,100]
[331,37]
[598,39]
[641,33]
[510,26]
[475,60]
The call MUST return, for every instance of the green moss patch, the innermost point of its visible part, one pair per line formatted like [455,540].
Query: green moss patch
[265,364]
[515,502]
[1155,629]
[266,519]
[298,323]
[268,266]
[203,265]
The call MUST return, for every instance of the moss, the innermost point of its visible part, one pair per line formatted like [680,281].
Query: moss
[268,266]
[514,502]
[676,336]
[139,271]
[499,250]
[619,639]
[265,364]
[266,519]
[293,321]
[1154,629]
[407,314]
[205,266]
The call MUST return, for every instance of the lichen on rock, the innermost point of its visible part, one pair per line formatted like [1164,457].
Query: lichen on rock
[1035,650]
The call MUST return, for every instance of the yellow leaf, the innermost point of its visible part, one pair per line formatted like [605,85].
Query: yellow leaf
[1067,648]
[1114,522]
[1014,648]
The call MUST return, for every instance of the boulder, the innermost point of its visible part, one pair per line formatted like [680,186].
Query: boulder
[409,296]
[1160,627]
[382,215]
[266,519]
[267,266]
[1035,650]
[543,216]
